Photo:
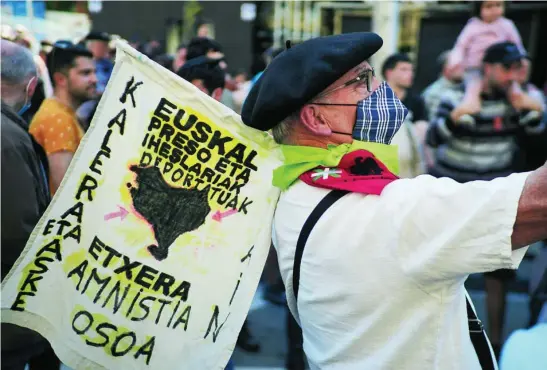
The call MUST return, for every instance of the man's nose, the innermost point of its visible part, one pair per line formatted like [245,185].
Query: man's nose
[93,78]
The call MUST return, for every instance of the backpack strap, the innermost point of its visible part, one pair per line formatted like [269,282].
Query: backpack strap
[479,339]
[316,214]
[476,331]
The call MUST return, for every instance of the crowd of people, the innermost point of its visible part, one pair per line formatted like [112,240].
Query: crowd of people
[480,120]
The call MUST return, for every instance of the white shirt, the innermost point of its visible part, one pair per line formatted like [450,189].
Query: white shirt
[382,277]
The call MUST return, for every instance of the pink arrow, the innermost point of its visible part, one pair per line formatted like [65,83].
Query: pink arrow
[122,213]
[218,216]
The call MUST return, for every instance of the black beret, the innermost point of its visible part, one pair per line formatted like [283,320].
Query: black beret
[298,74]
[96,35]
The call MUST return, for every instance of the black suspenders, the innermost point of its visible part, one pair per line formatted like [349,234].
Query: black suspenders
[476,331]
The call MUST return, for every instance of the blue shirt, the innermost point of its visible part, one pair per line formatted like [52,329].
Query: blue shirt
[104,69]
[525,349]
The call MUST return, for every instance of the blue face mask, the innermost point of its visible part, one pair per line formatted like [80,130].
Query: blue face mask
[27,104]
[379,116]
[24,108]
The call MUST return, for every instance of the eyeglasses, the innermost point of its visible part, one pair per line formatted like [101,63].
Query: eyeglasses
[367,75]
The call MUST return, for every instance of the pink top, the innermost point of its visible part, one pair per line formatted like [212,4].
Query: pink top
[477,36]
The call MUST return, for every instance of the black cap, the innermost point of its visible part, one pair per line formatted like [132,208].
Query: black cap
[300,73]
[200,61]
[504,53]
[97,35]
[200,46]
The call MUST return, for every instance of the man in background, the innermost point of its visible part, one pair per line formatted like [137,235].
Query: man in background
[534,146]
[180,58]
[55,126]
[205,46]
[97,44]
[447,80]
[25,196]
[486,148]
[398,72]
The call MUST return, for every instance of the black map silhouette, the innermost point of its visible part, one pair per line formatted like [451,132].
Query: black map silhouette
[170,211]
[366,166]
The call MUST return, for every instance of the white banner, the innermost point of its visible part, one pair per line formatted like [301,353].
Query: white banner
[150,253]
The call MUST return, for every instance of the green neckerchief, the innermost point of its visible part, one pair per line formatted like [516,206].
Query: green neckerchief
[300,159]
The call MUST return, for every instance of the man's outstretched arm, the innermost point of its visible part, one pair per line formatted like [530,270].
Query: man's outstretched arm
[531,222]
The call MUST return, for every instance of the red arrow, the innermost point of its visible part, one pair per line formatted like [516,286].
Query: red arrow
[218,216]
[122,213]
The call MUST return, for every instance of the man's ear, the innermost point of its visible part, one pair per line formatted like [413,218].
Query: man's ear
[313,120]
[387,74]
[32,86]
[59,79]
[217,93]
[487,69]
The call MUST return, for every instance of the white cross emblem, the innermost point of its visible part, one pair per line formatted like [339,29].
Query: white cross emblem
[325,173]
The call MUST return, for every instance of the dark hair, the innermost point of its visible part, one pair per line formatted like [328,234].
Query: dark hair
[164,60]
[391,62]
[476,7]
[63,56]
[211,74]
[200,46]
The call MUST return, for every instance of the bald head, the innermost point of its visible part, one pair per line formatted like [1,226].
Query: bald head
[17,75]
[17,63]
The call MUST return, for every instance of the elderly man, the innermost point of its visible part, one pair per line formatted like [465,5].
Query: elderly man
[25,194]
[374,266]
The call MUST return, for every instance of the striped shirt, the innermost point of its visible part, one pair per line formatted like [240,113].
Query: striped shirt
[484,149]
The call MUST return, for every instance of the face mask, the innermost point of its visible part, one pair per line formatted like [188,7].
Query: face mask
[27,104]
[23,109]
[379,116]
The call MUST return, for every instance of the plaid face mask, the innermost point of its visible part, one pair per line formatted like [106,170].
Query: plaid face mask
[379,116]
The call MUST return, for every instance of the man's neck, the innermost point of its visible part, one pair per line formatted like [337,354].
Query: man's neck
[66,99]
[491,92]
[10,103]
[399,91]
[302,138]
[9,98]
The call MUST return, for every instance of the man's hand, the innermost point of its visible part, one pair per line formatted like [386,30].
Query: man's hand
[523,101]
[520,100]
[531,222]
[58,165]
